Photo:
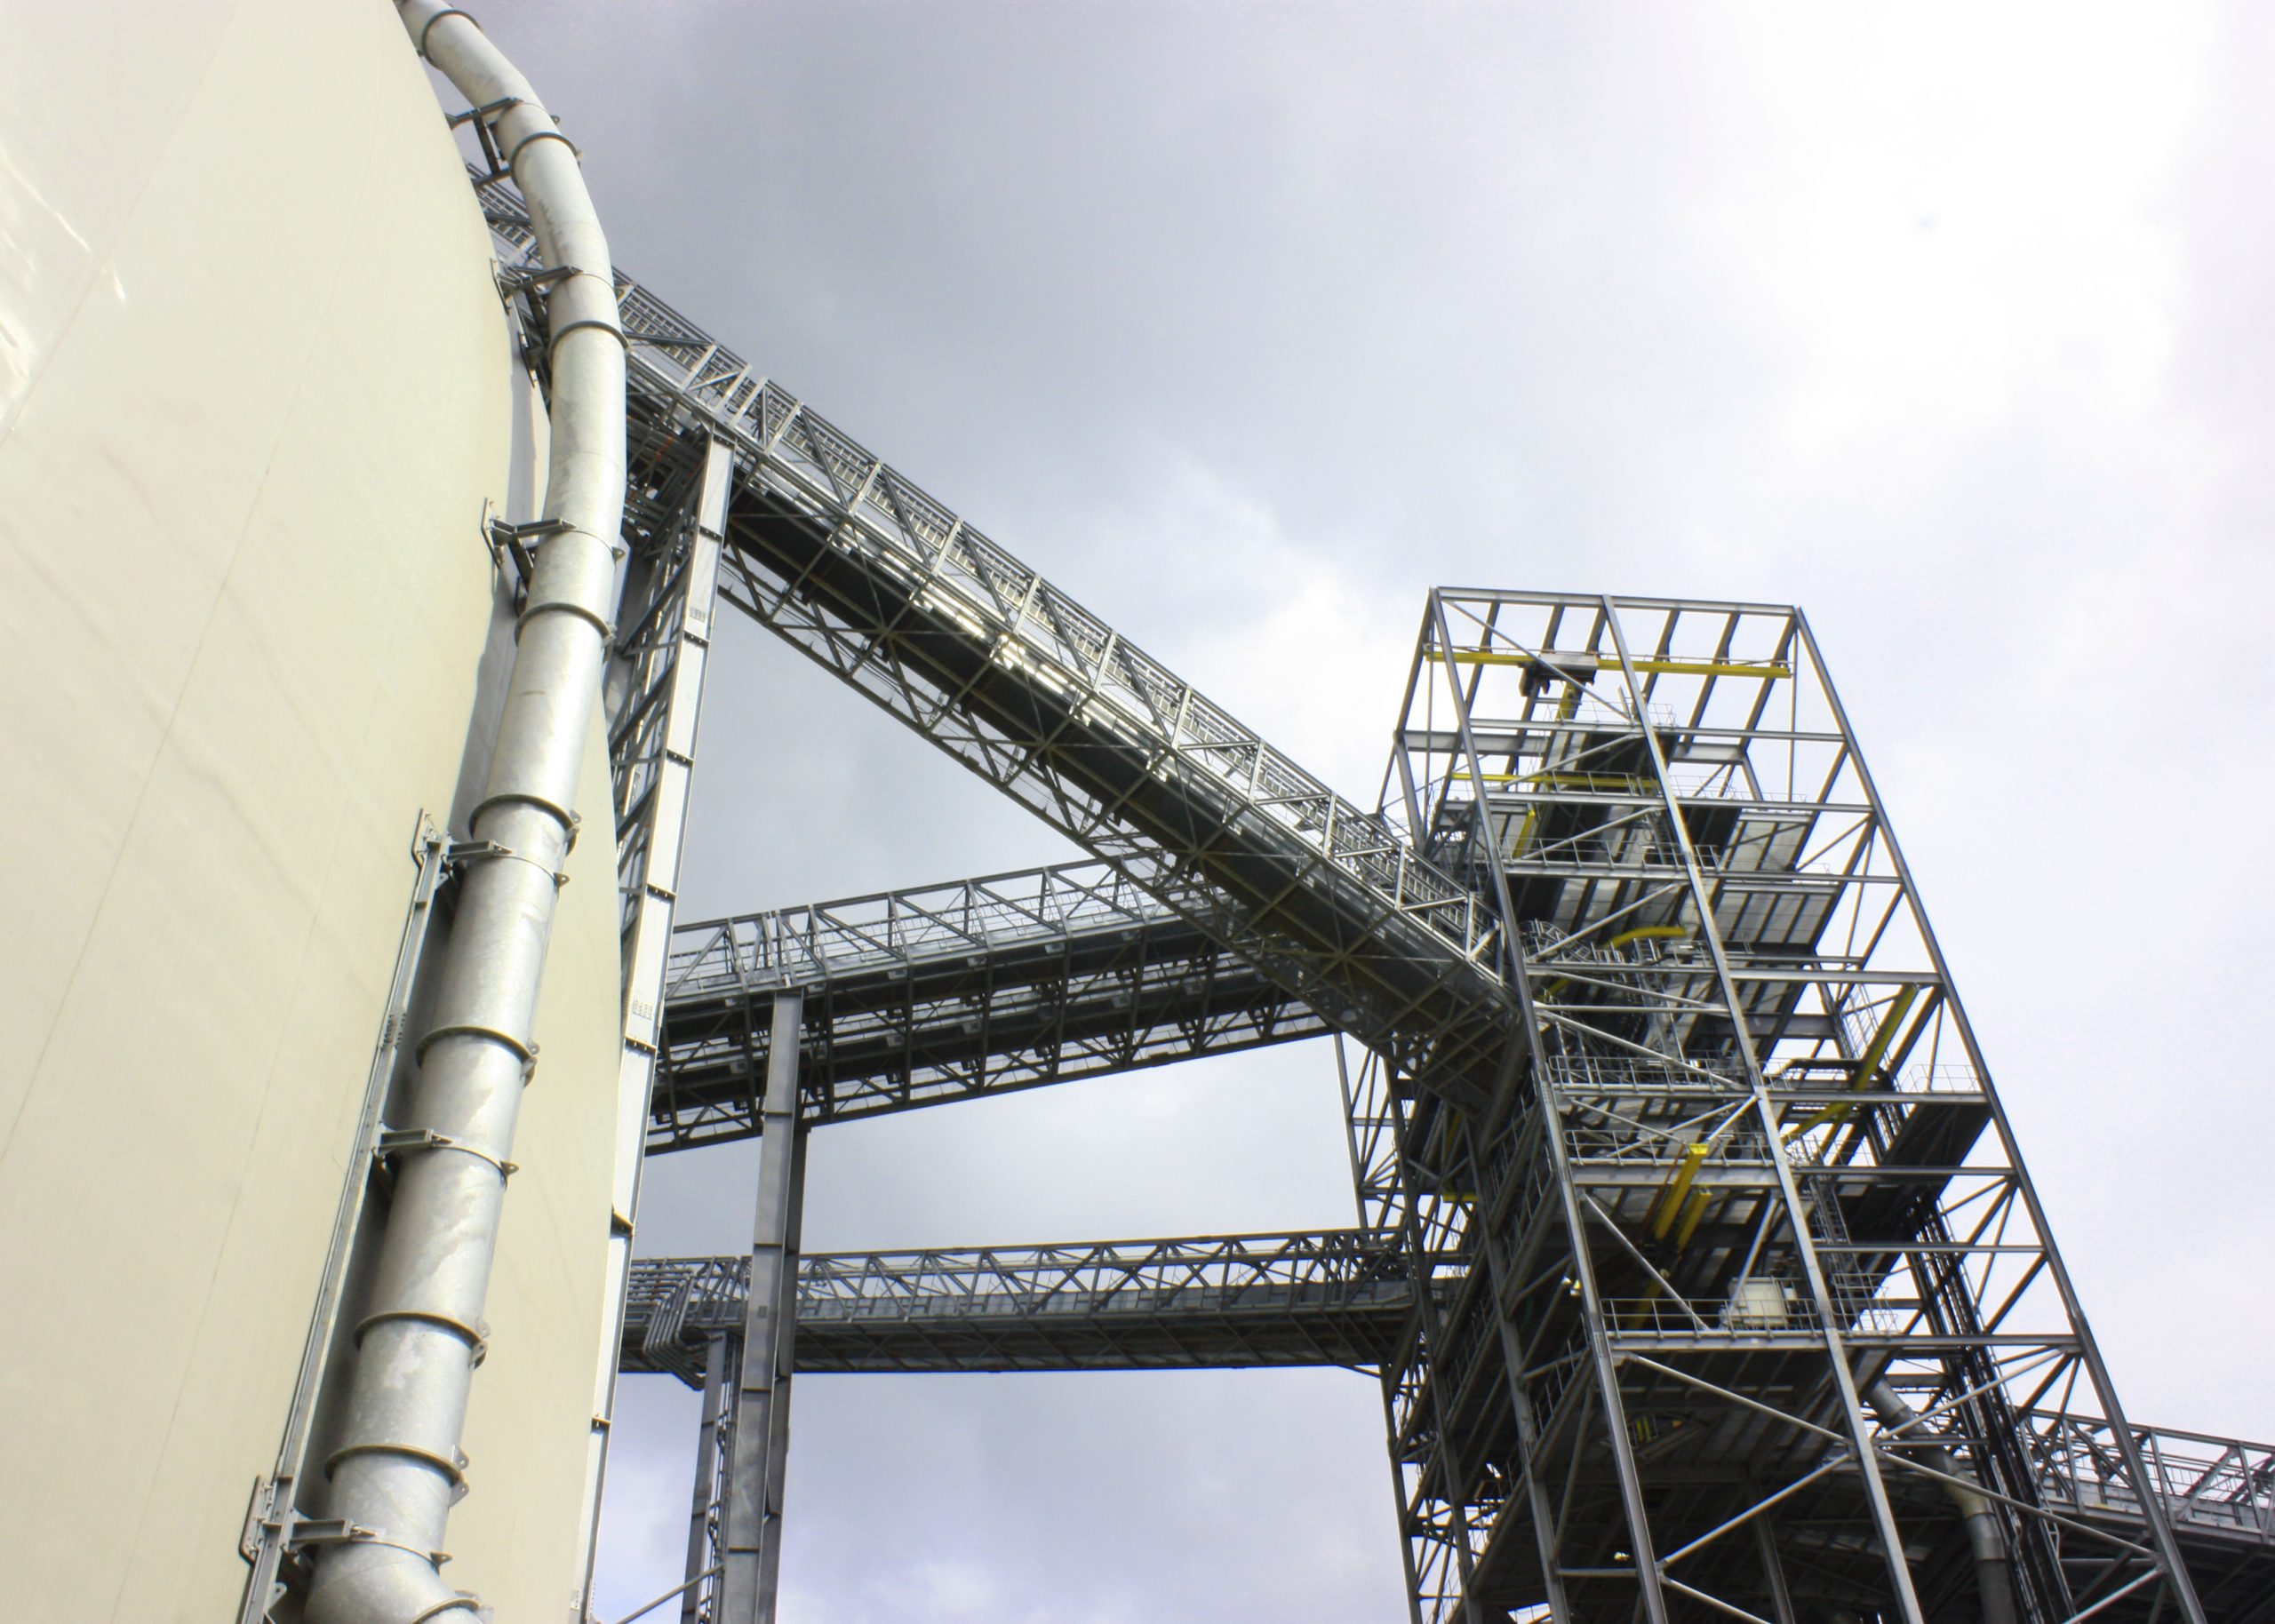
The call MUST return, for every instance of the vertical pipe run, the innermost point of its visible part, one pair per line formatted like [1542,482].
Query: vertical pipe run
[1986,1542]
[398,1468]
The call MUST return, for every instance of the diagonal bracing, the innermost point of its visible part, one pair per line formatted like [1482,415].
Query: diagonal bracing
[1725,1286]
[949,991]
[1336,1297]
[1332,1297]
[858,568]
[1758,1251]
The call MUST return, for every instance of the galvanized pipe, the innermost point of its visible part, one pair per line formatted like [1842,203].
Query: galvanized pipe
[1987,1541]
[398,1468]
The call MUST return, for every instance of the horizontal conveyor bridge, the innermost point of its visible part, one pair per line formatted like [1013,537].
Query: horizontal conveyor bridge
[946,991]
[1335,1297]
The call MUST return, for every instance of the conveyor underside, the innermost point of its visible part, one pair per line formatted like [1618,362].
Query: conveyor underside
[1335,1298]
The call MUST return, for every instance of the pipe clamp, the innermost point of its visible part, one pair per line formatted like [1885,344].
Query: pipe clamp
[410,1451]
[477,1337]
[468,1029]
[405,1140]
[437,17]
[568,820]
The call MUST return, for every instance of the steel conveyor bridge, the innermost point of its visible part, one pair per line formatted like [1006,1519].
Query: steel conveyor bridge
[1338,1297]
[1697,1266]
[943,992]
[860,570]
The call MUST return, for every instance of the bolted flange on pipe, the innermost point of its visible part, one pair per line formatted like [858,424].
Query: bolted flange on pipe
[398,1468]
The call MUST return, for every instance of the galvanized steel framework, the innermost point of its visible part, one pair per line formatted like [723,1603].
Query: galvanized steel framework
[1718,1278]
[942,992]
[1759,1249]
[1341,1297]
[1725,1281]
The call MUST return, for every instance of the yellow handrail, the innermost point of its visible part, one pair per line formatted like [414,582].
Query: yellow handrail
[1592,662]
[1867,1064]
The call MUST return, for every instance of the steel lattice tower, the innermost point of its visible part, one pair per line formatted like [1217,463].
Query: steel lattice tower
[1702,1272]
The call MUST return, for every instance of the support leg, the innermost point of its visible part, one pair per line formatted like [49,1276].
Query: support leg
[706,1480]
[1773,1569]
[762,1439]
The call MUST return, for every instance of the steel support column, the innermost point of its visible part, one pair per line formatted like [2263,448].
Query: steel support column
[1386,1203]
[702,1529]
[1773,1574]
[1505,1286]
[1775,1176]
[2179,1586]
[752,1554]
[654,697]
[1651,1606]
[1837,1356]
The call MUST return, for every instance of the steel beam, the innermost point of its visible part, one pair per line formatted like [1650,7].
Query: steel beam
[1673,900]
[652,695]
[751,1556]
[942,992]
[722,1355]
[1778,1167]
[858,568]
[1337,1297]
[1334,1298]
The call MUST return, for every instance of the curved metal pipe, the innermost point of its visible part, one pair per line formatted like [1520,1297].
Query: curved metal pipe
[398,1469]
[1987,1541]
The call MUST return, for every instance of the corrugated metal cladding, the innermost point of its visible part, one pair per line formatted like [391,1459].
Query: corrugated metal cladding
[255,388]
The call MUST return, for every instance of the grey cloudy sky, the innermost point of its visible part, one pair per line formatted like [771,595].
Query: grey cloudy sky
[1248,323]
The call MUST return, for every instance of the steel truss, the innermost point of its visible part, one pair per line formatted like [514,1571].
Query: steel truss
[2218,1493]
[1759,1287]
[652,698]
[858,567]
[1728,1293]
[1338,1297]
[943,992]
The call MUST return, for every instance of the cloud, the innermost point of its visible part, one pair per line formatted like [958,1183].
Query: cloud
[1251,323]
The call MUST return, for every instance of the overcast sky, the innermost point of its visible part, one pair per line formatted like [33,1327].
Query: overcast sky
[1247,325]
